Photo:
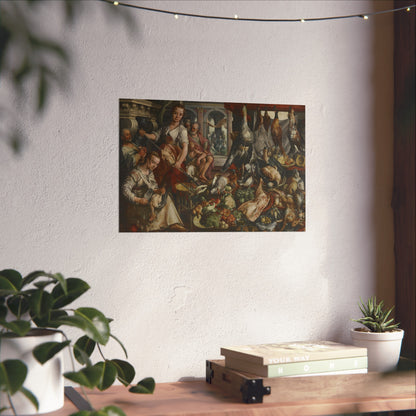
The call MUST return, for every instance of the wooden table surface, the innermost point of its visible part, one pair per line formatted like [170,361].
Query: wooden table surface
[191,398]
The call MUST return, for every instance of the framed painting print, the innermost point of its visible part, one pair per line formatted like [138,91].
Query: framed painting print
[207,166]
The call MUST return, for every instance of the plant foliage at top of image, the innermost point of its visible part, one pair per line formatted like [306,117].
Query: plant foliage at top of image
[375,317]
[34,59]
[42,300]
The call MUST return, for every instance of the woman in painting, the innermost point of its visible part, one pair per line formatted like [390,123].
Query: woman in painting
[172,143]
[149,208]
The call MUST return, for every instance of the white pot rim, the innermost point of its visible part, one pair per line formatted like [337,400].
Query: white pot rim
[377,336]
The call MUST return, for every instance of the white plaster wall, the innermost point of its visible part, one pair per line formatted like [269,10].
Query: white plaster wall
[177,298]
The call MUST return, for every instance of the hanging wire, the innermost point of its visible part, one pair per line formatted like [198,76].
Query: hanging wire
[247,19]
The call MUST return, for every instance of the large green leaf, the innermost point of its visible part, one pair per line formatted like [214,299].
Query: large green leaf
[18,327]
[12,375]
[83,349]
[92,322]
[7,287]
[53,277]
[45,351]
[110,411]
[125,371]
[108,374]
[13,276]
[145,386]
[88,377]
[98,328]
[54,316]
[75,288]
[18,305]
[3,312]
[30,396]
[31,277]
[40,304]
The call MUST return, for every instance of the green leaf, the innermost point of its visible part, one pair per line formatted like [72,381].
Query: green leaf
[3,312]
[110,411]
[18,327]
[88,377]
[75,321]
[13,276]
[31,277]
[108,374]
[83,349]
[98,328]
[18,305]
[145,386]
[105,411]
[20,73]
[6,287]
[83,413]
[30,396]
[45,351]
[125,371]
[75,288]
[40,304]
[43,89]
[12,375]
[55,316]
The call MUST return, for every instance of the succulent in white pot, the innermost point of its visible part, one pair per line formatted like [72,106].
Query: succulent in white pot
[381,335]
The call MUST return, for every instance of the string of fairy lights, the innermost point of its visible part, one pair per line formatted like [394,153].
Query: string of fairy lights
[177,15]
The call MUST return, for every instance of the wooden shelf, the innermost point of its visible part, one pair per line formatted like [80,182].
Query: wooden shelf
[360,393]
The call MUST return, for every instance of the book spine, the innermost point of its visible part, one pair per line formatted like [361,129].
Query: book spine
[288,369]
[321,366]
[261,358]
[333,373]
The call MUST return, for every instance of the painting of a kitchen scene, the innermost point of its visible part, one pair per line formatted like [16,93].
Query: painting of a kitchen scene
[206,166]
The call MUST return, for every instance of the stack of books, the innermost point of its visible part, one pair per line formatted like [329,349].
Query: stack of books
[296,359]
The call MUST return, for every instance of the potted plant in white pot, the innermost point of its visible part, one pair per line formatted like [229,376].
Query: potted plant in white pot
[380,335]
[34,310]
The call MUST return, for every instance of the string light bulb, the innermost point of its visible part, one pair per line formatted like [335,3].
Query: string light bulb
[248,19]
[176,17]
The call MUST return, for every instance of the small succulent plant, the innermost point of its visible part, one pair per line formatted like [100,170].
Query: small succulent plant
[375,318]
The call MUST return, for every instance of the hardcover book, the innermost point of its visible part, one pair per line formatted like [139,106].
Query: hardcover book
[299,368]
[292,352]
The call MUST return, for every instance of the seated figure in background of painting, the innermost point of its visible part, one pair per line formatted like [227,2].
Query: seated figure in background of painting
[150,208]
[199,153]
[132,154]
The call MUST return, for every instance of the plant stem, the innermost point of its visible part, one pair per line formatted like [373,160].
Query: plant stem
[73,369]
[101,353]
[11,404]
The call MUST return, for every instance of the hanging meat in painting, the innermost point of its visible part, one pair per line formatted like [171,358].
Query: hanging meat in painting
[203,166]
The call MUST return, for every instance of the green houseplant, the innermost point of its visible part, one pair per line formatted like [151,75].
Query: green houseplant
[40,302]
[380,334]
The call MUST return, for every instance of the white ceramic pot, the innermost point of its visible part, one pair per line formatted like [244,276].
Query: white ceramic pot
[383,348]
[44,381]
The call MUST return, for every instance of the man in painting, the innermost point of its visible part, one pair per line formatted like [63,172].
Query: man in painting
[199,152]
[150,208]
[132,154]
